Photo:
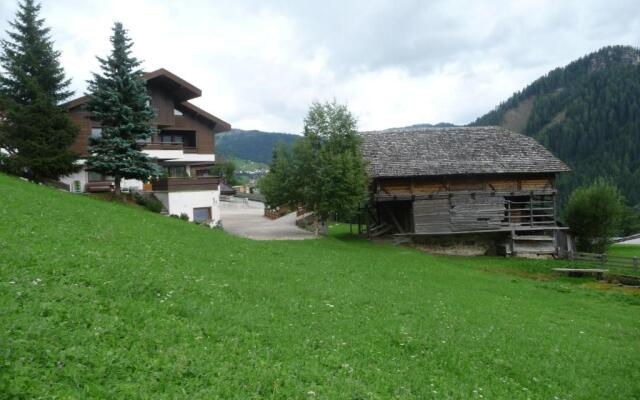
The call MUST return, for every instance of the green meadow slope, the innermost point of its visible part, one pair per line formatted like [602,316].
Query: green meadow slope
[102,300]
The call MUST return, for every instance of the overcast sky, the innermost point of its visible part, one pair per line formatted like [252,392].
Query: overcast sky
[394,63]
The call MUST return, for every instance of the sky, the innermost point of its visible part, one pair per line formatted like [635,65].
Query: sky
[260,64]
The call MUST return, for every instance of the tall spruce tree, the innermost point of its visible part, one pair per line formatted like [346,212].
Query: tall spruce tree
[35,131]
[119,100]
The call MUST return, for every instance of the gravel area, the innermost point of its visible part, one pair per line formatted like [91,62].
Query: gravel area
[246,219]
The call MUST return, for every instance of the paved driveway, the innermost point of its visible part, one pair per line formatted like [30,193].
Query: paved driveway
[247,219]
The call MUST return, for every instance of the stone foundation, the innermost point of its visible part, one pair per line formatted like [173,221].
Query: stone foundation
[460,245]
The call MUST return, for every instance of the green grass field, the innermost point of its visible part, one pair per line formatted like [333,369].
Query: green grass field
[625,250]
[102,300]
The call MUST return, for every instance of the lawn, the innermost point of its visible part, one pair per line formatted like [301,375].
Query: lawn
[625,250]
[104,300]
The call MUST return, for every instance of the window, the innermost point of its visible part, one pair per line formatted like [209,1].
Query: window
[98,177]
[202,214]
[177,112]
[202,171]
[165,138]
[177,172]
[96,133]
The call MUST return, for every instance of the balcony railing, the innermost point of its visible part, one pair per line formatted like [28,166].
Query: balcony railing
[186,184]
[189,149]
[163,146]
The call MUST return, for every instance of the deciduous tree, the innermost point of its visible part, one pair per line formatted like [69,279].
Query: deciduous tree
[325,171]
[593,213]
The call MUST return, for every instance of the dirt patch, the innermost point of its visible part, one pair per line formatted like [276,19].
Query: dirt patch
[538,276]
[517,118]
[602,285]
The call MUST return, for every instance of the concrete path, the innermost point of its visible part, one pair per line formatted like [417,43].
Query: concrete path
[246,219]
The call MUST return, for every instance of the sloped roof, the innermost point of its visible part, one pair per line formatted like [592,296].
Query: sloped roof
[179,89]
[220,125]
[455,151]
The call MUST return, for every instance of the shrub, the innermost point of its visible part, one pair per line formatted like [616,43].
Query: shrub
[149,202]
[630,221]
[184,217]
[593,214]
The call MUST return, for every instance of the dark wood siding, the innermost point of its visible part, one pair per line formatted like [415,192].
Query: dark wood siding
[163,106]
[186,183]
[204,133]
[81,119]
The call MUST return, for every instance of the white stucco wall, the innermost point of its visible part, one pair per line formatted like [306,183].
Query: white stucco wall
[163,197]
[185,202]
[132,184]
[81,176]
[175,202]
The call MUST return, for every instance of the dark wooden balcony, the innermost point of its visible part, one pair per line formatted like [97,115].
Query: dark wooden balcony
[186,184]
[163,146]
[189,150]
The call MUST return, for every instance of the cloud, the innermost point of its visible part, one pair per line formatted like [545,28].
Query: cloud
[260,64]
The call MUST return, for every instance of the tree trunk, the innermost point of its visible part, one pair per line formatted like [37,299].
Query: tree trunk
[317,222]
[117,190]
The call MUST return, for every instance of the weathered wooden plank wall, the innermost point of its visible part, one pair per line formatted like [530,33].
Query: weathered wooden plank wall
[431,216]
[459,213]
[480,212]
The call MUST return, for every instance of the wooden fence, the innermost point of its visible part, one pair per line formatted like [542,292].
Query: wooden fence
[605,261]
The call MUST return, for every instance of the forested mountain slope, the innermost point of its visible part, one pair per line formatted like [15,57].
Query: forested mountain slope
[251,145]
[588,114]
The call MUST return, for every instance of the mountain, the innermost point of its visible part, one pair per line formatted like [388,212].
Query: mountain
[438,125]
[251,145]
[257,146]
[588,114]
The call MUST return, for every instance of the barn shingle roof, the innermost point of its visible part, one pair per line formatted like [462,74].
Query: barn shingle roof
[455,151]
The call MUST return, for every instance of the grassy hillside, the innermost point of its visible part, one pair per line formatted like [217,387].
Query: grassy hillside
[625,250]
[251,145]
[101,300]
[588,114]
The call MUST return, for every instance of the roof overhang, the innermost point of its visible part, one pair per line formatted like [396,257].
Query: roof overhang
[216,123]
[175,86]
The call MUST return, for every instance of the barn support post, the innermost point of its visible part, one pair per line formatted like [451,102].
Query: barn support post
[531,209]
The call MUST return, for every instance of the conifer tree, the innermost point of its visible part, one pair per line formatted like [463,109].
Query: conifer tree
[35,131]
[119,100]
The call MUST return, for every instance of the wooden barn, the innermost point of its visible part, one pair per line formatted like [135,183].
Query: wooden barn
[463,182]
